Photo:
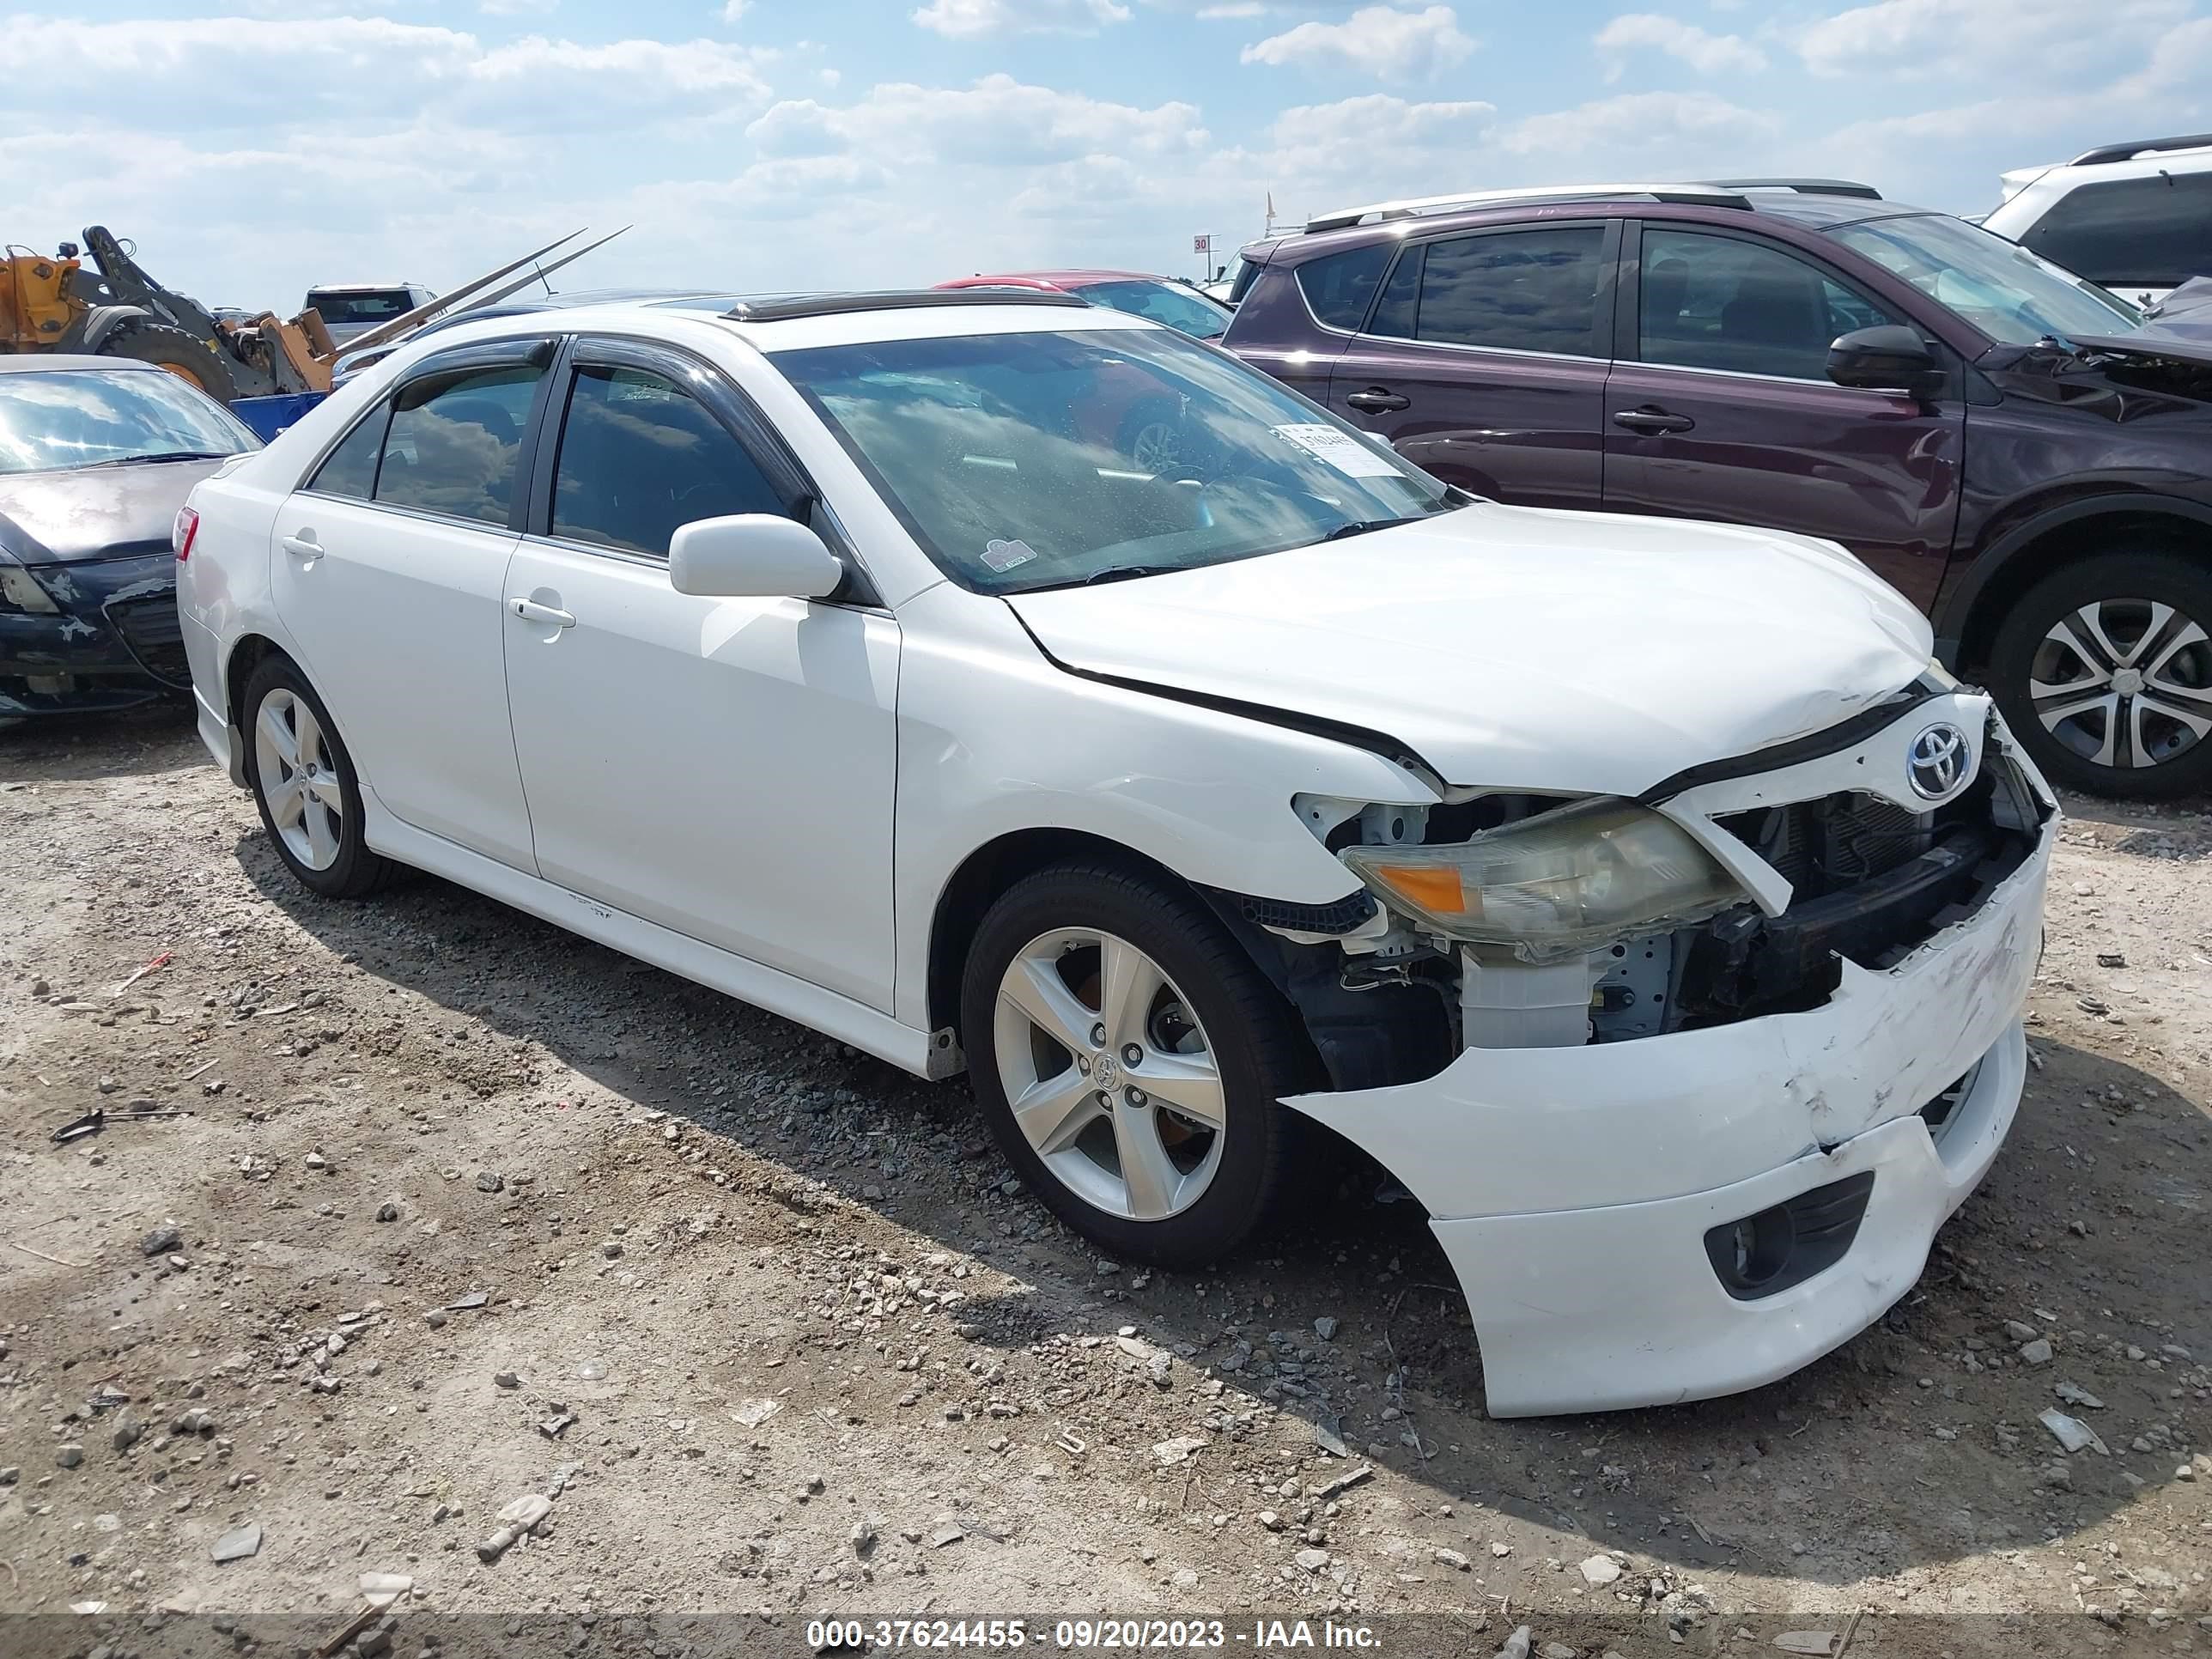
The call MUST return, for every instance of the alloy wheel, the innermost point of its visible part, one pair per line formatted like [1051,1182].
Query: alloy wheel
[306,800]
[1157,446]
[2124,682]
[1109,1075]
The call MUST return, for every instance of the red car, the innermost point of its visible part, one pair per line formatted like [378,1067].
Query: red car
[1145,425]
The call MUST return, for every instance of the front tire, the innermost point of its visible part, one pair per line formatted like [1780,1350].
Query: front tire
[304,784]
[168,346]
[2104,670]
[1129,1059]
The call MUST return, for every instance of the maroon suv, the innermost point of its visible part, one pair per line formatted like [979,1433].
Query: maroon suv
[2025,455]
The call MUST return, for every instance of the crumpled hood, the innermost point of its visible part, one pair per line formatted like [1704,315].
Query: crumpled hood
[2181,327]
[94,512]
[1517,648]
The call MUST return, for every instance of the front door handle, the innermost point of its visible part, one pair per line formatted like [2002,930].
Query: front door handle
[303,545]
[1652,419]
[531,610]
[1378,400]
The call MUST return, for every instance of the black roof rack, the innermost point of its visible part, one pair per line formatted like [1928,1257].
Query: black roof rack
[838,305]
[1803,186]
[2104,152]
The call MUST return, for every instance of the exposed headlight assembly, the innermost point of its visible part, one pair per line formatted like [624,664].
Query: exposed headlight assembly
[19,590]
[1564,881]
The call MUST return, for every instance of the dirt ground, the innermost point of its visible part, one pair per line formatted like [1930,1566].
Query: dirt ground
[441,1176]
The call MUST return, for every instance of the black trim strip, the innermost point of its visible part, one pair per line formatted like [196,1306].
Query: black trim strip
[1379,744]
[1833,740]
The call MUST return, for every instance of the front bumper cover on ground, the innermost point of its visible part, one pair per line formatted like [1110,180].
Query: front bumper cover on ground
[1572,1187]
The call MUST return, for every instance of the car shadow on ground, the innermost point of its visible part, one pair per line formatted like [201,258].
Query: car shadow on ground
[139,742]
[1754,1483]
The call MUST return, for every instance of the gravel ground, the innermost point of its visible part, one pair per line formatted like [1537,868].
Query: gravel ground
[455,1207]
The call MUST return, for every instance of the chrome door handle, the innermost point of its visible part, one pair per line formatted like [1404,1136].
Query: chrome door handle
[303,545]
[1651,420]
[531,610]
[1378,400]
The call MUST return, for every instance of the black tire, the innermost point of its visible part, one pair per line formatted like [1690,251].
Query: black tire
[2128,583]
[1258,1048]
[356,872]
[168,346]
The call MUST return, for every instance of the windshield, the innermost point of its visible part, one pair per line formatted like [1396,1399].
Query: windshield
[377,305]
[1999,287]
[1164,302]
[72,418]
[1041,459]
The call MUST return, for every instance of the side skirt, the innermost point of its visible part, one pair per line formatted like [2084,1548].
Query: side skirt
[833,1015]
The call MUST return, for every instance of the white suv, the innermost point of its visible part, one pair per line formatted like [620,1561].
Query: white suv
[1635,890]
[2136,217]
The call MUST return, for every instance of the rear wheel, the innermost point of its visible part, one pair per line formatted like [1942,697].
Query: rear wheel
[2105,672]
[1129,1059]
[304,782]
[171,347]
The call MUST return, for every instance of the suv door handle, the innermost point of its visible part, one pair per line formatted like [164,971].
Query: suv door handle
[1653,420]
[531,610]
[1378,400]
[303,545]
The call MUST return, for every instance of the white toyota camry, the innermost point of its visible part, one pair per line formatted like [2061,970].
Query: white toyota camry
[1003,685]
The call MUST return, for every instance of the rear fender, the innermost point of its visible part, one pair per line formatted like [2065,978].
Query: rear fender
[101,321]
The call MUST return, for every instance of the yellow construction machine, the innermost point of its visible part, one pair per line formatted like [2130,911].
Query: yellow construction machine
[112,308]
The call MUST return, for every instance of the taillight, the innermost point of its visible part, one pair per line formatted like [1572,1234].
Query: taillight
[182,532]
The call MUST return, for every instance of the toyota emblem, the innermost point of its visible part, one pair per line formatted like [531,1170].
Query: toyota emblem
[1937,762]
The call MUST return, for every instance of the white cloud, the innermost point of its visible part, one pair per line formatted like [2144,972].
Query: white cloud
[1704,51]
[516,8]
[1378,40]
[1918,38]
[1652,134]
[976,20]
[1230,9]
[733,9]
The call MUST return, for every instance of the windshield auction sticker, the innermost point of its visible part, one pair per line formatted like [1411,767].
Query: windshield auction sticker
[1340,449]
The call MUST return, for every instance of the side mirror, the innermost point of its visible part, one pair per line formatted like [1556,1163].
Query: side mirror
[1890,358]
[752,555]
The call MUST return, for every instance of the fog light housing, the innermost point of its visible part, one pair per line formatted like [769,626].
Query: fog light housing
[1766,1253]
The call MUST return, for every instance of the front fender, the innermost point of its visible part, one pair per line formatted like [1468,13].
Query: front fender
[993,740]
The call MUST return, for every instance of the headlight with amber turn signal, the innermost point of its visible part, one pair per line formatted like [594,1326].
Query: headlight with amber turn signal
[1571,879]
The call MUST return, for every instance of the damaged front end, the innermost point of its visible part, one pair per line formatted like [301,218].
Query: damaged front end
[89,636]
[1756,1096]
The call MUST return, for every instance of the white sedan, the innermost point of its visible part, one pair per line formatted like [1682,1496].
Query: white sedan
[1636,891]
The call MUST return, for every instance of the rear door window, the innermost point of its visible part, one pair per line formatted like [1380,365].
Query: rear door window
[641,458]
[1519,290]
[1722,302]
[454,442]
[2148,233]
[1338,285]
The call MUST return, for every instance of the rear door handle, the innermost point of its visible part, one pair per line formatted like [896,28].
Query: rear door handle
[1378,400]
[303,545]
[1650,420]
[531,610]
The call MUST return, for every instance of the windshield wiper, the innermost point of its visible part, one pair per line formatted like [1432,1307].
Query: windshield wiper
[1361,526]
[164,455]
[1122,573]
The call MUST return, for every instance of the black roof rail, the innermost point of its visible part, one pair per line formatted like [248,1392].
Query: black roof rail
[2104,152]
[838,305]
[1803,186]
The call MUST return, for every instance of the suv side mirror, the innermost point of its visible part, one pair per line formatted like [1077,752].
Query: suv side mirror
[752,555]
[1890,358]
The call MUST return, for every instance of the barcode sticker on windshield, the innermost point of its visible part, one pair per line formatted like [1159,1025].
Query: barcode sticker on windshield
[1004,556]
[1340,449]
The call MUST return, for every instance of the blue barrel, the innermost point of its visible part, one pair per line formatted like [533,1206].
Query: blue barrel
[270,416]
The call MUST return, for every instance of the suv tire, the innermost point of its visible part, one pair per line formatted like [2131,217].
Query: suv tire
[1229,1020]
[2133,630]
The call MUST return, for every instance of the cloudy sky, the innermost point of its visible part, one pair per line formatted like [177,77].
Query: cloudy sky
[253,149]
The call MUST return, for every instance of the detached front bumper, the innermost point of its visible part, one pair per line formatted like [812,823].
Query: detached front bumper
[112,641]
[1574,1188]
